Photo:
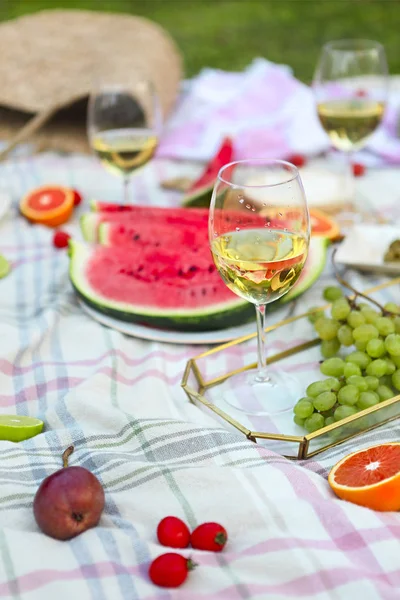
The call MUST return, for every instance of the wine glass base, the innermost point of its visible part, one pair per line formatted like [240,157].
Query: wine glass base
[275,394]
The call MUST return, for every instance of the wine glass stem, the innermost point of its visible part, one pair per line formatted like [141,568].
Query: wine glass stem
[261,357]
[349,178]
[126,190]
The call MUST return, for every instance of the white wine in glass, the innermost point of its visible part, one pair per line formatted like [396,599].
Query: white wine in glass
[350,87]
[124,124]
[259,236]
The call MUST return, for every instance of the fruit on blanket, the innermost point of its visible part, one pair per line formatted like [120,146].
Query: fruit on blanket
[50,205]
[369,477]
[199,193]
[170,569]
[323,225]
[16,428]
[61,239]
[169,286]
[173,532]
[69,501]
[209,536]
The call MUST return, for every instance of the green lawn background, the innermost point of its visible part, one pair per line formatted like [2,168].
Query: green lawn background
[227,34]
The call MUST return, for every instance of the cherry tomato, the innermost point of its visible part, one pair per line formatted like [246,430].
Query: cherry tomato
[358,169]
[170,569]
[60,239]
[298,160]
[77,198]
[209,536]
[173,532]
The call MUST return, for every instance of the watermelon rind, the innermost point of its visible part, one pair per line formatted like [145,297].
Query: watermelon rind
[89,225]
[201,198]
[206,318]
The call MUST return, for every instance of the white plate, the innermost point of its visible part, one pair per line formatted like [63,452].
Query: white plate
[364,248]
[171,337]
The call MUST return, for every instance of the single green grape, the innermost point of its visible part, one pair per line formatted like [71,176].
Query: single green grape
[348,395]
[340,309]
[326,328]
[372,382]
[396,323]
[351,369]
[355,319]
[335,384]
[303,408]
[366,332]
[359,382]
[344,411]
[385,326]
[367,399]
[385,380]
[390,366]
[324,401]
[361,345]
[345,335]
[377,368]
[384,392]
[314,316]
[316,421]
[370,315]
[298,421]
[333,367]
[392,307]
[330,348]
[376,348]
[396,379]
[329,421]
[332,293]
[396,361]
[359,358]
[392,344]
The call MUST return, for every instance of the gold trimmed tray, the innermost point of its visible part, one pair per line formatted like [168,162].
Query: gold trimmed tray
[205,372]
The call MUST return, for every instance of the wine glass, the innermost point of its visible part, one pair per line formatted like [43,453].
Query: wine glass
[350,86]
[124,122]
[259,235]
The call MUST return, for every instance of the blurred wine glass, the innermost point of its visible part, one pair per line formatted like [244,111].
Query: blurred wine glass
[124,122]
[350,86]
[259,234]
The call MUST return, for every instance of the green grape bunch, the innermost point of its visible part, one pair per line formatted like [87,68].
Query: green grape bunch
[360,347]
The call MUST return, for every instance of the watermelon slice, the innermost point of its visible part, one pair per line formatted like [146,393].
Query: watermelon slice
[167,287]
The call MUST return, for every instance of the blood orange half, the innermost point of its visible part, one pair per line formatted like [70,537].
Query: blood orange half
[49,205]
[323,225]
[369,477]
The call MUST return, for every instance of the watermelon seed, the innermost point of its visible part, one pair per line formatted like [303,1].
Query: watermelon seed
[211,268]
[136,237]
[193,269]
[180,273]
[140,268]
[204,291]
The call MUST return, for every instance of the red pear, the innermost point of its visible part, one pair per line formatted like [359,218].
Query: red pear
[69,501]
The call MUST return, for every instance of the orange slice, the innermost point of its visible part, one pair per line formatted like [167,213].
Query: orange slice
[49,205]
[323,225]
[369,477]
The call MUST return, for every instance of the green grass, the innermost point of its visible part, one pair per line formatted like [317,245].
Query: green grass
[227,34]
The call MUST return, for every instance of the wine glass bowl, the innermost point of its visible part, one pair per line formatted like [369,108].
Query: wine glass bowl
[259,235]
[124,124]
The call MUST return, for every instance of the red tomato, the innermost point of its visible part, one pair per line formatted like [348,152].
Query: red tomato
[298,160]
[77,198]
[170,570]
[173,532]
[209,536]
[60,239]
[358,169]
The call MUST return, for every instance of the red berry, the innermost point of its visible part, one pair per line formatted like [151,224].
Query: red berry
[170,570]
[60,239]
[298,160]
[361,93]
[209,536]
[173,532]
[358,169]
[77,198]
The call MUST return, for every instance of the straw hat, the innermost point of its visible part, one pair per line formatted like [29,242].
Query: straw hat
[52,58]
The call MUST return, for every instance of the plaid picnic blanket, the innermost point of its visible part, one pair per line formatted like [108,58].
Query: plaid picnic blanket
[118,400]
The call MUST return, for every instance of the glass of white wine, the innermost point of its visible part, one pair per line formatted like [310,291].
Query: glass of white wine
[350,86]
[124,123]
[259,233]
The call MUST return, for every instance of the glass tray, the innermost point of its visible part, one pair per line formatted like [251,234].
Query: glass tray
[297,354]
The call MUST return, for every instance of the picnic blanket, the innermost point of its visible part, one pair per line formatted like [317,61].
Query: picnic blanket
[119,401]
